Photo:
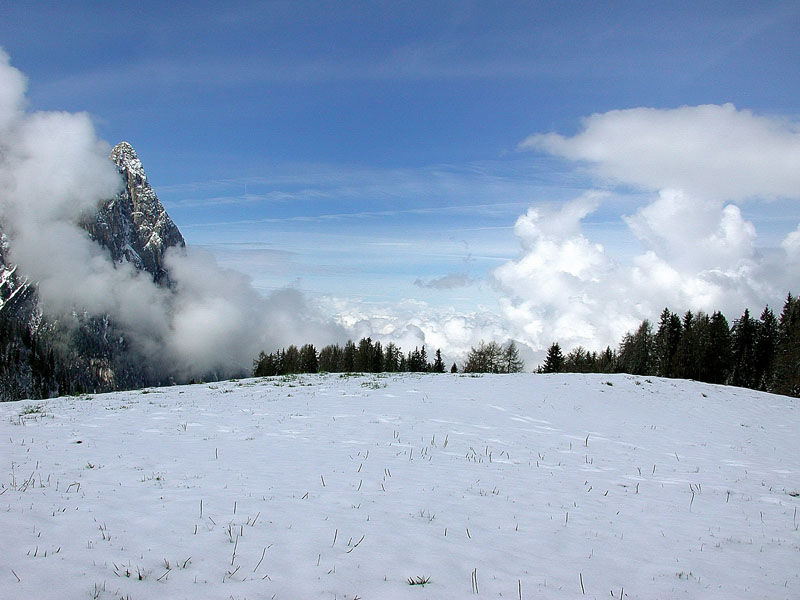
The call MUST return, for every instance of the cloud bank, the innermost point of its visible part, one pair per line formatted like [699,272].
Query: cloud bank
[697,250]
[53,170]
[710,151]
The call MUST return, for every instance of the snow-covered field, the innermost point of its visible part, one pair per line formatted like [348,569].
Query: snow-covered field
[334,487]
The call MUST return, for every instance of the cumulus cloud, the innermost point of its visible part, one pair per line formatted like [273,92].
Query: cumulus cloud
[697,249]
[556,288]
[791,245]
[53,171]
[716,152]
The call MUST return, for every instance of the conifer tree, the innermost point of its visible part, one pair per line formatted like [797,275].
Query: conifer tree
[554,361]
[363,357]
[438,363]
[290,361]
[606,361]
[786,378]
[376,362]
[511,362]
[743,371]
[636,351]
[765,348]
[667,339]
[578,360]
[486,358]
[686,356]
[348,358]
[309,362]
[714,344]
[391,358]
[330,358]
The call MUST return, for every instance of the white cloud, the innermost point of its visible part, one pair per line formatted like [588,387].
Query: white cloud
[694,235]
[555,290]
[53,170]
[791,245]
[697,249]
[568,289]
[412,323]
[12,92]
[714,152]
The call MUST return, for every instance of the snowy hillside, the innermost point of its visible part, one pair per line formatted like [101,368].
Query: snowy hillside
[515,486]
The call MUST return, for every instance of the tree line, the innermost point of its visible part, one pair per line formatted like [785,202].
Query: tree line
[761,354]
[371,357]
[365,357]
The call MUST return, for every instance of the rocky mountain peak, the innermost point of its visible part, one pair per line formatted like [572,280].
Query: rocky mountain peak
[133,225]
[69,353]
[124,156]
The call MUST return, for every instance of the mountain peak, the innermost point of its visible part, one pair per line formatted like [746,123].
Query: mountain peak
[134,226]
[124,156]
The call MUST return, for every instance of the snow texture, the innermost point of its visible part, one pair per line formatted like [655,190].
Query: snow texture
[516,486]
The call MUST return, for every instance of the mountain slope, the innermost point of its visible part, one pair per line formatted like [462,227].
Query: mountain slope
[43,354]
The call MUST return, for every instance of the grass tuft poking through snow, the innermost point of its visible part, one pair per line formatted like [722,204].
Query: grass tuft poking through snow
[512,486]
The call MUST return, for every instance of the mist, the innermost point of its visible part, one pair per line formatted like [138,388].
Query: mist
[53,171]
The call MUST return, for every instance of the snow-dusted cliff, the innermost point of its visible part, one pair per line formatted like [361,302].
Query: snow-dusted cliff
[16,292]
[65,353]
[134,225]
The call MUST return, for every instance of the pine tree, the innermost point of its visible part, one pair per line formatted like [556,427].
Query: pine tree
[259,365]
[414,363]
[391,358]
[765,348]
[686,356]
[486,358]
[667,339]
[309,362]
[454,368]
[376,363]
[606,361]
[363,357]
[714,349]
[578,360]
[438,363]
[554,361]
[743,352]
[330,358]
[636,352]
[511,362]
[267,365]
[290,361]
[348,358]
[786,378]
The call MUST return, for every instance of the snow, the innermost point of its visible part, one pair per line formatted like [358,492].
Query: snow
[125,157]
[10,281]
[531,486]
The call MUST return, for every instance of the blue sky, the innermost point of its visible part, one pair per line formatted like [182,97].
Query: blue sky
[372,154]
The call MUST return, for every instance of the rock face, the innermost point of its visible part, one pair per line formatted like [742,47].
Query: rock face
[133,225]
[17,295]
[41,355]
